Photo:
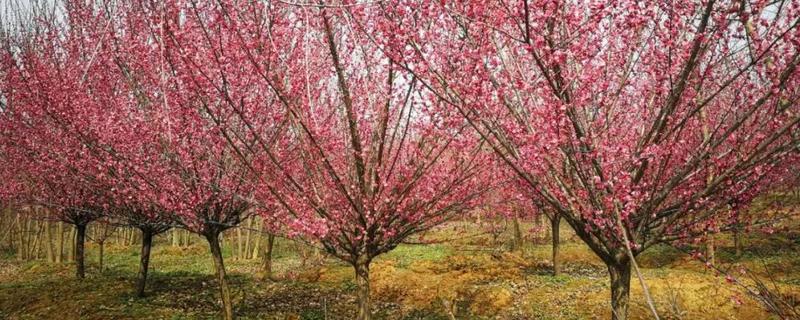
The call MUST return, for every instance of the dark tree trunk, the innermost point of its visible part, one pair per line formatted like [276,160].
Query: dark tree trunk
[517,245]
[144,262]
[80,239]
[267,259]
[620,274]
[554,224]
[219,264]
[362,282]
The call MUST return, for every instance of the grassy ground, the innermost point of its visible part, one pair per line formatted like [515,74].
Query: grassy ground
[473,279]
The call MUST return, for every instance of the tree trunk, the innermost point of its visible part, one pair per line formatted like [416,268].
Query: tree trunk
[80,239]
[239,244]
[35,246]
[101,246]
[19,234]
[49,239]
[256,245]
[247,238]
[712,249]
[362,282]
[517,245]
[134,237]
[546,230]
[554,223]
[26,240]
[176,238]
[737,241]
[144,262]
[620,274]
[60,244]
[219,264]
[267,259]
[73,238]
[8,235]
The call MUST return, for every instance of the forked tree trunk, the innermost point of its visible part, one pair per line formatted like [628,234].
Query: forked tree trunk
[219,264]
[267,259]
[620,274]
[554,225]
[144,262]
[362,293]
[80,239]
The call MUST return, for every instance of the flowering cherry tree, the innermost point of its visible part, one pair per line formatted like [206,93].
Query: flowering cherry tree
[350,147]
[361,124]
[88,96]
[48,157]
[636,123]
[80,155]
[185,166]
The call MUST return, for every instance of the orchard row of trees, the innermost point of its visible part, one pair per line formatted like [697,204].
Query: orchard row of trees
[31,239]
[360,124]
[28,235]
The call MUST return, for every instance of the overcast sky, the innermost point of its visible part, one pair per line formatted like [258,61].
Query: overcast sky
[11,10]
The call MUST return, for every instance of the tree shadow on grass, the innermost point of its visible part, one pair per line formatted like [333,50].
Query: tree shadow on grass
[196,295]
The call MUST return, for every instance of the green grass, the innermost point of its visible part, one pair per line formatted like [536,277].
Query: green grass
[409,282]
[406,254]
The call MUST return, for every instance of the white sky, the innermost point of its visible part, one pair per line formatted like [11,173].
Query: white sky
[11,11]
